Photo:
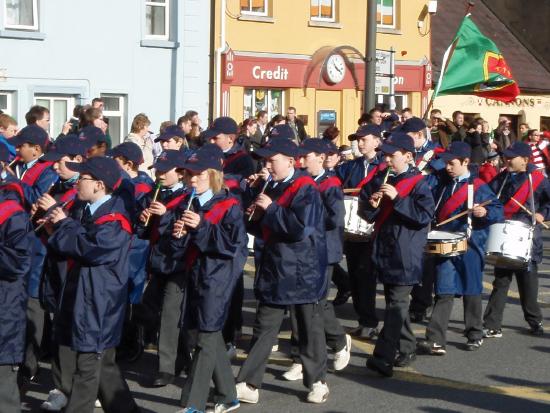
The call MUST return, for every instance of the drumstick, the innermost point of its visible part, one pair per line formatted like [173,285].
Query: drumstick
[463,213]
[187,209]
[377,204]
[46,219]
[47,192]
[155,195]
[529,212]
[351,190]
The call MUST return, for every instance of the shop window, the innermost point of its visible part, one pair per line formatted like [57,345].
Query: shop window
[401,101]
[114,112]
[21,14]
[514,122]
[470,117]
[323,10]
[386,13]
[6,102]
[254,7]
[544,123]
[61,109]
[157,19]
[270,100]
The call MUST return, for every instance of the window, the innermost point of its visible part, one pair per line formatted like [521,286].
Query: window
[61,109]
[544,123]
[401,101]
[385,13]
[114,111]
[270,100]
[254,7]
[323,10]
[157,16]
[21,14]
[6,102]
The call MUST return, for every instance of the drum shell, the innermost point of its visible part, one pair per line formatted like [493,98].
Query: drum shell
[509,244]
[355,228]
[440,245]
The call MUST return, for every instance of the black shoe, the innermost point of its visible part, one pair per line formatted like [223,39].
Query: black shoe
[163,379]
[341,298]
[537,330]
[404,359]
[380,366]
[364,333]
[473,345]
[417,316]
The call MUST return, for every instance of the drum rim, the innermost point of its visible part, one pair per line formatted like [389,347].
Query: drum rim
[515,222]
[447,240]
[512,257]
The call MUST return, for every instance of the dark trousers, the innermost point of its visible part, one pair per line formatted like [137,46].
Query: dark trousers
[9,391]
[396,335]
[340,278]
[422,294]
[210,361]
[362,281]
[147,313]
[528,287]
[234,320]
[437,328]
[35,331]
[98,376]
[169,337]
[334,332]
[63,368]
[313,352]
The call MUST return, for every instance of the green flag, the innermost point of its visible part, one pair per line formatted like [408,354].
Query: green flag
[473,65]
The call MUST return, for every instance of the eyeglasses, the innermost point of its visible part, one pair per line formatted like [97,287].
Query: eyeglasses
[85,179]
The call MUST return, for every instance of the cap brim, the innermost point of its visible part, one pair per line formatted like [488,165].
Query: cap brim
[263,153]
[113,153]
[53,156]
[210,133]
[77,167]
[508,153]
[389,149]
[447,156]
[16,141]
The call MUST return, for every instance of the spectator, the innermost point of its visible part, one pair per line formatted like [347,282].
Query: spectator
[539,148]
[439,132]
[478,141]
[296,124]
[331,134]
[262,130]
[490,168]
[503,135]
[139,134]
[523,129]
[193,137]
[40,116]
[8,129]
[406,114]
[94,117]
[247,134]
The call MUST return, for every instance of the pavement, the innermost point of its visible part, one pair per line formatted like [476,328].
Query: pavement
[508,374]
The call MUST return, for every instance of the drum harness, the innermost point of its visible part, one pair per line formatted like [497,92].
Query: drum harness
[531,196]
[470,204]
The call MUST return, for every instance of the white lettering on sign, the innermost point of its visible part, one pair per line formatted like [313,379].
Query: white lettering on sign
[280,73]
[398,80]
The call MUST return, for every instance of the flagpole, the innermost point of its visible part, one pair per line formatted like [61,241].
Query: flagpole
[445,63]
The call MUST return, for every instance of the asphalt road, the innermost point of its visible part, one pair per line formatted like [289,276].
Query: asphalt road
[508,374]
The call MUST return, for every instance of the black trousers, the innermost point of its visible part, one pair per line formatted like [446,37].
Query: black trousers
[528,287]
[63,368]
[234,320]
[437,328]
[313,351]
[170,332]
[334,332]
[98,376]
[362,281]
[147,313]
[422,294]
[35,331]
[396,335]
[9,391]
[210,362]
[340,278]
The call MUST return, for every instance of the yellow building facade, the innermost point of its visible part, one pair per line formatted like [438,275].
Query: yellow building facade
[272,54]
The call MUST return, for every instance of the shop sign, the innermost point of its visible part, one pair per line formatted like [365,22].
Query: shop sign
[519,102]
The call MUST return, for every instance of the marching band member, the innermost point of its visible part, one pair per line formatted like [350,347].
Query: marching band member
[95,291]
[15,262]
[356,174]
[514,183]
[402,208]
[460,275]
[313,155]
[291,270]
[209,237]
[164,292]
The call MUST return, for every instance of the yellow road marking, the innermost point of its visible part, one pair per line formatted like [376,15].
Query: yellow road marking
[513,294]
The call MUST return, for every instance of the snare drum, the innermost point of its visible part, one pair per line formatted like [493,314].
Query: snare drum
[509,245]
[446,244]
[355,227]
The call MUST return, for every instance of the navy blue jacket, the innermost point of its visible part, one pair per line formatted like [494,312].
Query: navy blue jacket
[542,204]
[15,261]
[398,247]
[220,254]
[333,200]
[91,311]
[463,274]
[292,265]
[238,163]
[351,173]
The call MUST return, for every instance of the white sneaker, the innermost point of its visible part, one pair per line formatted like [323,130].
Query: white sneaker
[55,402]
[341,358]
[294,373]
[319,393]
[275,348]
[247,394]
[97,404]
